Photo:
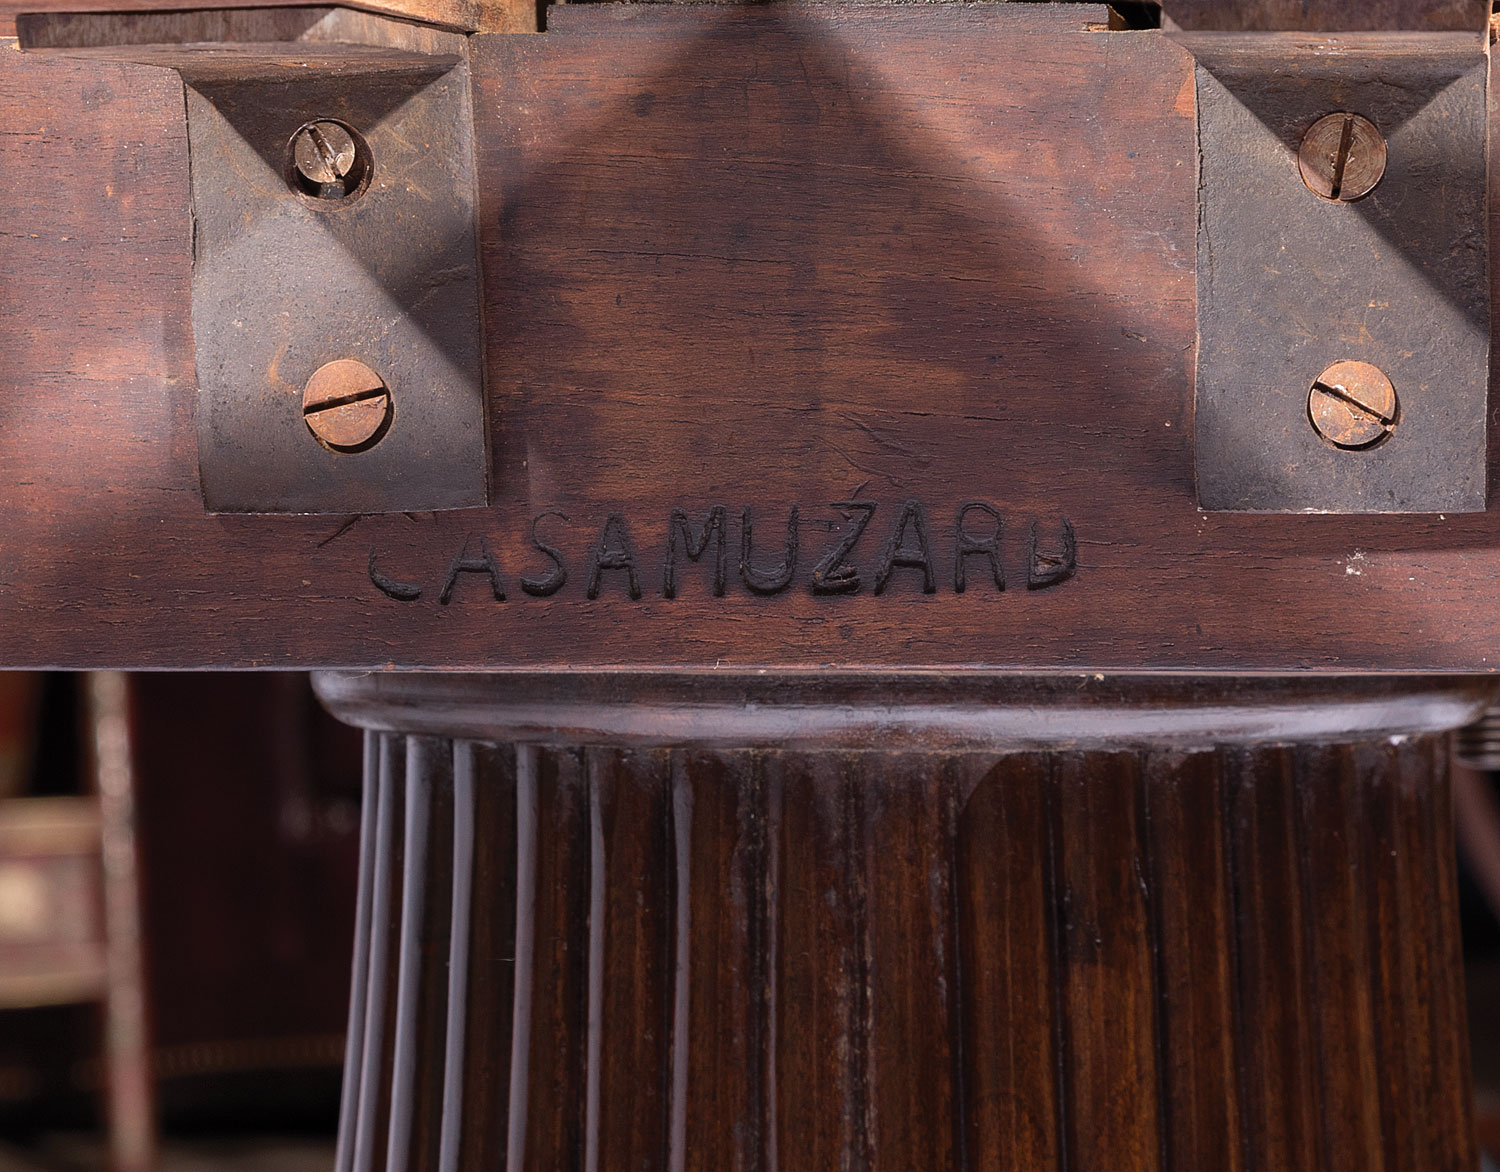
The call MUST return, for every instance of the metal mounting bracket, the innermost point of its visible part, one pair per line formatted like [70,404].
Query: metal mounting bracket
[331,167]
[1343,254]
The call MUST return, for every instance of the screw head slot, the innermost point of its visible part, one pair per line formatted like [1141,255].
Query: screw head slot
[328,161]
[1353,405]
[347,406]
[1343,158]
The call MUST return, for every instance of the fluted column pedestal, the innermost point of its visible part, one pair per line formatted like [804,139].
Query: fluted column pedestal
[918,923]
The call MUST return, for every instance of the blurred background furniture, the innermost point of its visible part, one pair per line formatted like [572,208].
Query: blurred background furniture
[70,926]
[245,814]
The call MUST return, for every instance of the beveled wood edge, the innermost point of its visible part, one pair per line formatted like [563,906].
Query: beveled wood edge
[457,16]
[460,16]
[902,710]
[242,41]
[1255,16]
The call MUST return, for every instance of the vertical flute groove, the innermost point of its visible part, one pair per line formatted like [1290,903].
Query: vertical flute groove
[1373,789]
[677,876]
[1307,923]
[359,980]
[451,1138]
[862,1137]
[957,1015]
[382,884]
[409,971]
[593,1072]
[1228,766]
[1146,871]
[1055,902]
[682,839]
[771,893]
[527,814]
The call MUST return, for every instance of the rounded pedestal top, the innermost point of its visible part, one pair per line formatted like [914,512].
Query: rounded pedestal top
[902,709]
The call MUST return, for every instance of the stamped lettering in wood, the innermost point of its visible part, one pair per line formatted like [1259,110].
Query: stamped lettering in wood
[465,562]
[1048,554]
[555,578]
[834,574]
[768,581]
[681,535]
[614,552]
[967,544]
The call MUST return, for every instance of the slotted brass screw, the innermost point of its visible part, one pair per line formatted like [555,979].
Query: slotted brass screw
[1353,405]
[347,406]
[323,152]
[328,161]
[1343,157]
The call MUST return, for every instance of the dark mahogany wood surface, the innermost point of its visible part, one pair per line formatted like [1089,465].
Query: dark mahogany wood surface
[496,16]
[1330,15]
[584,954]
[741,257]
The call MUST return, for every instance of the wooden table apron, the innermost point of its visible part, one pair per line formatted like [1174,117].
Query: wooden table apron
[754,258]
[746,855]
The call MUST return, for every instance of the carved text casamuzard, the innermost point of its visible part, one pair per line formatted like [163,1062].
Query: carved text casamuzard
[968,550]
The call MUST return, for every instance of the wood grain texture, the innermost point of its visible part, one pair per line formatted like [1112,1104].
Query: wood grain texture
[1140,959]
[750,257]
[1201,1108]
[296,37]
[1331,15]
[491,16]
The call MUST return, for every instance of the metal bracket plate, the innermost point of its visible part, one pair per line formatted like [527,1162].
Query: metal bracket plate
[283,286]
[285,283]
[1291,284]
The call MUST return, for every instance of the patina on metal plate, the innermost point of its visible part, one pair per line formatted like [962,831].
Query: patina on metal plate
[1291,284]
[285,283]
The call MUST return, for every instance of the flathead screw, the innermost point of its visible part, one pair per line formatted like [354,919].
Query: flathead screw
[347,406]
[1353,405]
[323,152]
[1343,157]
[328,161]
